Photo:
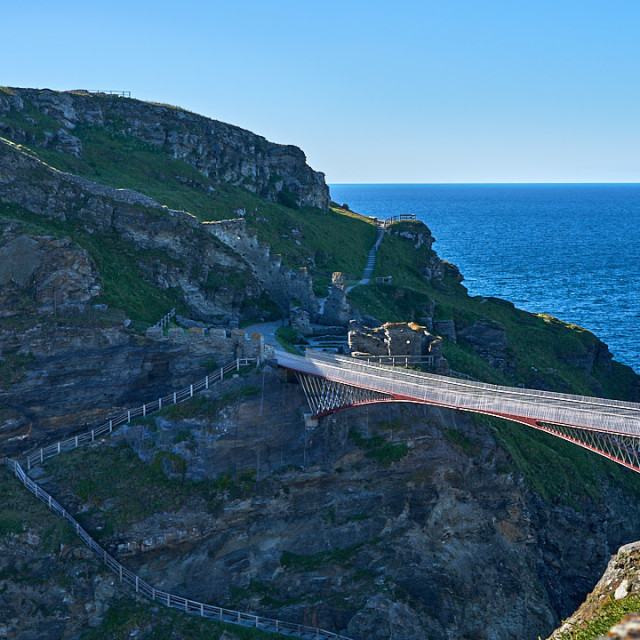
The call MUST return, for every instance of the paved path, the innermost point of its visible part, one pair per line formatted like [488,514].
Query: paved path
[267,329]
[371,260]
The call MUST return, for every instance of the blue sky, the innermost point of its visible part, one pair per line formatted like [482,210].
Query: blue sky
[409,91]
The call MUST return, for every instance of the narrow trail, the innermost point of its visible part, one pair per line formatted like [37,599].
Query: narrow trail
[371,260]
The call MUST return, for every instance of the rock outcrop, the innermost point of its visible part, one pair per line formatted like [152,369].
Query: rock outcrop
[222,152]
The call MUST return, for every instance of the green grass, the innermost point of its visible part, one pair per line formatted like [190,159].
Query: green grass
[390,302]
[286,337]
[607,616]
[124,284]
[21,512]
[458,439]
[558,471]
[383,452]
[124,618]
[138,490]
[335,240]
[314,562]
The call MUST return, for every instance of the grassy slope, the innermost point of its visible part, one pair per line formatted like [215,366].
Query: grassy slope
[123,282]
[337,240]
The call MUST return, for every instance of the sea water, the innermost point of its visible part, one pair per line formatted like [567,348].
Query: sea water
[571,250]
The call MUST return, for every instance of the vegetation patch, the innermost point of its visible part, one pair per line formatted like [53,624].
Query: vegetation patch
[383,452]
[458,439]
[124,283]
[316,561]
[611,612]
[144,621]
[558,471]
[123,489]
[287,338]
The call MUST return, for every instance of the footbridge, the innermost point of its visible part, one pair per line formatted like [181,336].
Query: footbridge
[331,383]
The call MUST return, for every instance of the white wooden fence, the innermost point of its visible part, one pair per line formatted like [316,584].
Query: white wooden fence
[164,321]
[40,455]
[143,588]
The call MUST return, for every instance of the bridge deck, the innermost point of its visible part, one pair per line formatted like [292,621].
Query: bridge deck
[528,405]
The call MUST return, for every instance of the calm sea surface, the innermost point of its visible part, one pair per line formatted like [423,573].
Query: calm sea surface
[569,250]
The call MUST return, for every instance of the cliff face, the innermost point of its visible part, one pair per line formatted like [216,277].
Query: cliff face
[219,151]
[383,520]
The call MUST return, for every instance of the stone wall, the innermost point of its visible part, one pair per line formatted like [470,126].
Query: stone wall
[284,284]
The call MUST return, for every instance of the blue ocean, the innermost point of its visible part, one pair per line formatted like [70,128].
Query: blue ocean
[571,250]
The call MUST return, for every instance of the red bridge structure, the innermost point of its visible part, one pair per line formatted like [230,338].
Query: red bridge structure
[331,383]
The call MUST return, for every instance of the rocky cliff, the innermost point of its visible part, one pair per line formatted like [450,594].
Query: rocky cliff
[384,520]
[219,151]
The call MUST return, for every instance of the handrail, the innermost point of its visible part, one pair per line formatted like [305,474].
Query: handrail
[164,321]
[584,412]
[144,588]
[43,453]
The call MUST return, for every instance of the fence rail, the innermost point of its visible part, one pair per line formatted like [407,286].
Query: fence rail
[396,361]
[111,92]
[399,218]
[40,455]
[164,321]
[144,588]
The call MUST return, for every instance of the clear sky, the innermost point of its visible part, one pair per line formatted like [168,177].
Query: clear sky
[393,91]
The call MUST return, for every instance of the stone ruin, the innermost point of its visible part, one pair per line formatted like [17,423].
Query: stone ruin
[397,339]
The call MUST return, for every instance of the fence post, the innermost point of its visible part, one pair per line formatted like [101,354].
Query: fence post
[136,584]
[159,404]
[110,426]
[76,442]
[206,382]
[93,435]
[128,417]
[221,373]
[144,410]
[41,455]
[237,364]
[120,571]
[191,391]
[174,397]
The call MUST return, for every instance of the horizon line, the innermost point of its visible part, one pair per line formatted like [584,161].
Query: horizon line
[485,183]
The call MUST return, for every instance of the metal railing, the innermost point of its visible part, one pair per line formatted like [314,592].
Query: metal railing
[399,218]
[396,361]
[585,412]
[111,92]
[144,588]
[164,321]
[40,455]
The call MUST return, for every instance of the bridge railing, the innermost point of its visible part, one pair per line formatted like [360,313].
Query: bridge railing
[581,411]
[144,588]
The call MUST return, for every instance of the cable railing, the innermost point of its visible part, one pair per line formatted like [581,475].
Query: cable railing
[144,588]
[585,412]
[43,453]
